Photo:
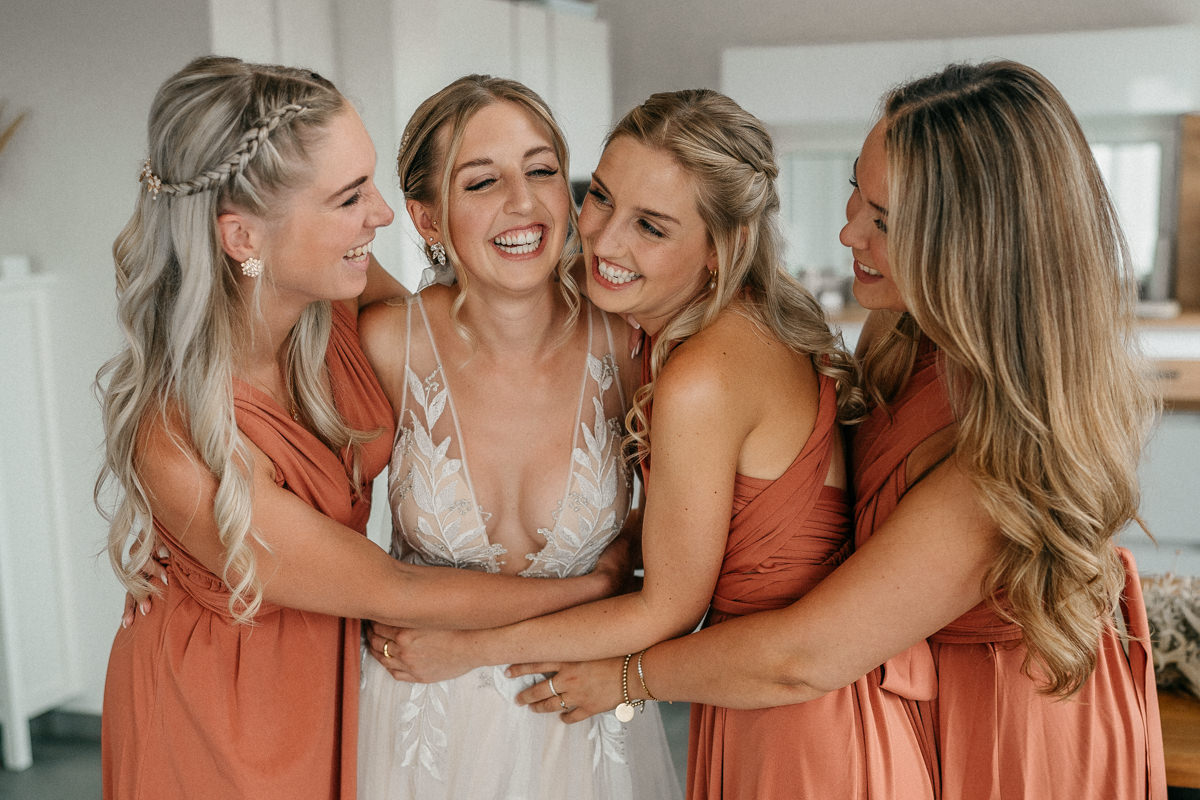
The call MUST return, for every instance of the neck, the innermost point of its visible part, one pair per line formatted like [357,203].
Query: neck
[520,326]
[265,335]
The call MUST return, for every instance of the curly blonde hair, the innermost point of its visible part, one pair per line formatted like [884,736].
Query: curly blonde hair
[223,133]
[731,158]
[1005,246]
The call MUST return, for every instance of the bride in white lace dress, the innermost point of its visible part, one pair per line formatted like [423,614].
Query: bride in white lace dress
[509,396]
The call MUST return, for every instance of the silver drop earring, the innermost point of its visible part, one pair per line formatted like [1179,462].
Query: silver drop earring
[437,253]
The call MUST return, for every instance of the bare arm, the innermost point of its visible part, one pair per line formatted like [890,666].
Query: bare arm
[312,562]
[705,408]
[921,570]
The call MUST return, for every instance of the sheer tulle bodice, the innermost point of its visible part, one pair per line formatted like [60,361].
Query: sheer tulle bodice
[467,737]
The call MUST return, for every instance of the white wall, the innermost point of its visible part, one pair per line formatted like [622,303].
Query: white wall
[86,72]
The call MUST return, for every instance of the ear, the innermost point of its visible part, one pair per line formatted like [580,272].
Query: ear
[241,235]
[422,217]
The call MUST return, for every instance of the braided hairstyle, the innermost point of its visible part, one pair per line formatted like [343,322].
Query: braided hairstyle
[223,135]
[730,156]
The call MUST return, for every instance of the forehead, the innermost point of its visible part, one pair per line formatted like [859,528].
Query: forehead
[502,125]
[648,176]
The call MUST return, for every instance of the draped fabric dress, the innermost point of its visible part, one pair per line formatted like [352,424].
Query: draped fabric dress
[466,737]
[996,737]
[860,741]
[196,706]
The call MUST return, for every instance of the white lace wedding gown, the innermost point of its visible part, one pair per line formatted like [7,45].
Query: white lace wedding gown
[466,738]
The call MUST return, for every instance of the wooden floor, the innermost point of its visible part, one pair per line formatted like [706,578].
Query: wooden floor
[1181,738]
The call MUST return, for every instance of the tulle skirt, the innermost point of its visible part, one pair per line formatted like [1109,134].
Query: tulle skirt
[467,738]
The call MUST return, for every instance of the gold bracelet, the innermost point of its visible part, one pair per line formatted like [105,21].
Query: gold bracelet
[642,678]
[624,711]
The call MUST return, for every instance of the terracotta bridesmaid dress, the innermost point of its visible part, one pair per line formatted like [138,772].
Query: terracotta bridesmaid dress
[196,706]
[861,741]
[996,736]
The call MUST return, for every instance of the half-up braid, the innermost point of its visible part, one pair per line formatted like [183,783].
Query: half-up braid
[729,154]
[223,134]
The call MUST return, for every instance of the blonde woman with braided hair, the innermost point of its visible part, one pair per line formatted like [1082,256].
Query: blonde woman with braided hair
[736,429]
[243,428]
[991,475]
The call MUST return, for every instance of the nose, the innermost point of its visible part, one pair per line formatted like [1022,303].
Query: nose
[381,213]
[602,233]
[853,233]
[520,197]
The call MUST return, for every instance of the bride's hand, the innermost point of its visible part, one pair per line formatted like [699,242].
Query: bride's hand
[581,689]
[419,655]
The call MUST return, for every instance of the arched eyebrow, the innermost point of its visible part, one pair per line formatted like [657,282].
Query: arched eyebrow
[354,184]
[641,211]
[483,162]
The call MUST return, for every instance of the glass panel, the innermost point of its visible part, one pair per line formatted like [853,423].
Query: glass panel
[1133,173]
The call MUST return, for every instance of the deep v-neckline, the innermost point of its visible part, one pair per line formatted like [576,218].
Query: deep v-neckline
[481,514]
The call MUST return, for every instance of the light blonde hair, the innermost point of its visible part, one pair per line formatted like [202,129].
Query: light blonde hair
[223,134]
[425,165]
[730,156]
[1005,246]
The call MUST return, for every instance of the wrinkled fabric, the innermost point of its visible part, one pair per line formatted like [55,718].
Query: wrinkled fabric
[860,741]
[995,736]
[196,706]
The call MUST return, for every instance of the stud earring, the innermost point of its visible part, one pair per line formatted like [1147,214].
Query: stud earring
[712,279]
[437,253]
[252,267]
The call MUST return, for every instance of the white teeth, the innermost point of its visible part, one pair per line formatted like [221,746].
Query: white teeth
[520,243]
[614,274]
[869,271]
[359,252]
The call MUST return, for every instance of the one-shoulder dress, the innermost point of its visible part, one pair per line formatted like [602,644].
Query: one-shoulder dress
[860,741]
[466,737]
[996,737]
[197,706]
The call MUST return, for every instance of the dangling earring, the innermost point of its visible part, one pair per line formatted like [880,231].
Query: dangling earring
[712,279]
[437,253]
[252,267]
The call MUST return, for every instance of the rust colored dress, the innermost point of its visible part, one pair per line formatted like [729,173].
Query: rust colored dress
[196,706]
[860,741]
[997,737]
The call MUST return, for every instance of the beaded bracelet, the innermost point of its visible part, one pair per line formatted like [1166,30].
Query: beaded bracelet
[624,711]
[642,678]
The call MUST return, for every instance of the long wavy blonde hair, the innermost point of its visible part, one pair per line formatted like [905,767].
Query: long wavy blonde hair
[731,158]
[425,165]
[223,134]
[1005,246]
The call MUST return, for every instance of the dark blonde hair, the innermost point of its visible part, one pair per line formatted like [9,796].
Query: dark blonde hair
[222,134]
[430,145]
[730,156]
[1005,247]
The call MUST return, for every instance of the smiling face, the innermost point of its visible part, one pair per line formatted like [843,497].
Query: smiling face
[317,247]
[646,247]
[865,232]
[509,203]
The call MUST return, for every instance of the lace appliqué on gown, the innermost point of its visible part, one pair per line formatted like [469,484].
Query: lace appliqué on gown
[437,521]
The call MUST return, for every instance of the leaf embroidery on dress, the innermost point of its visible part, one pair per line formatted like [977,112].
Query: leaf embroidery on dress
[586,521]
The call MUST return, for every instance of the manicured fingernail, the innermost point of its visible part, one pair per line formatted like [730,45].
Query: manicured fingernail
[165,579]
[163,552]
[144,607]
[126,620]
